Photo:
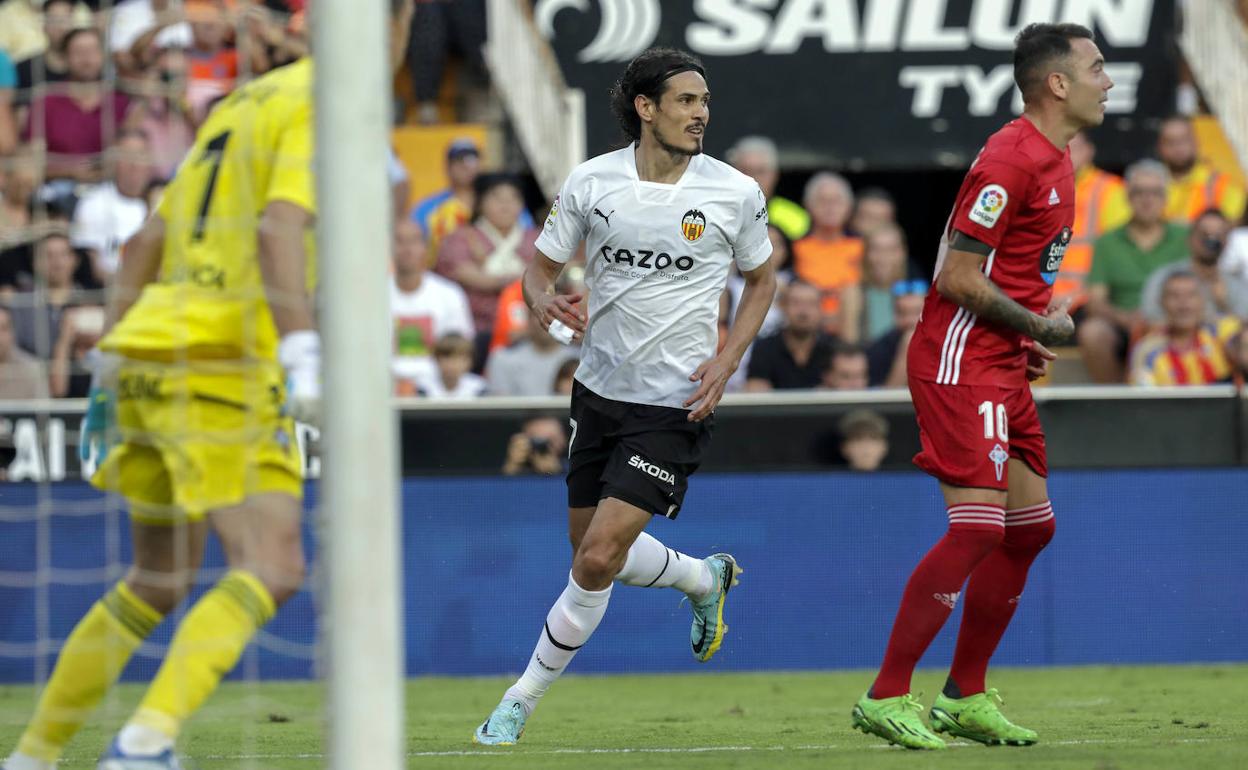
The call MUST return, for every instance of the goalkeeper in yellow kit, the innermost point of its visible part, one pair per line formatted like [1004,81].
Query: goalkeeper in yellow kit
[212,351]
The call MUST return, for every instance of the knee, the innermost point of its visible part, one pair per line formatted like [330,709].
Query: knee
[1031,537]
[161,590]
[1095,333]
[981,541]
[283,574]
[596,565]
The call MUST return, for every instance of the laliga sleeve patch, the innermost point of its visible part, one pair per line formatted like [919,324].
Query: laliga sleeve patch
[554,209]
[988,206]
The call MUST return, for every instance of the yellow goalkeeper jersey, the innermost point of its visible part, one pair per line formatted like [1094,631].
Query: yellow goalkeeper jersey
[208,301]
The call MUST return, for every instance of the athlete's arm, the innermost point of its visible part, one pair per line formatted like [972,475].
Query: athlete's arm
[283,264]
[962,281]
[760,292]
[538,286]
[140,264]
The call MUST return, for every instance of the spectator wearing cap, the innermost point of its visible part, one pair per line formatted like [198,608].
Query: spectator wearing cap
[492,252]
[21,376]
[864,440]
[829,258]
[886,356]
[76,124]
[868,310]
[873,208]
[796,356]
[1190,348]
[1195,185]
[756,157]
[114,210]
[1223,294]
[1100,206]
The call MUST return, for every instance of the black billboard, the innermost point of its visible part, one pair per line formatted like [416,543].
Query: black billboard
[866,84]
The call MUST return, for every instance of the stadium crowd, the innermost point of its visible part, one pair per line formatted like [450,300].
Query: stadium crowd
[99,103]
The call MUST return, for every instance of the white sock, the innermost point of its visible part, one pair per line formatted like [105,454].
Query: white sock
[650,564]
[23,762]
[143,741]
[569,625]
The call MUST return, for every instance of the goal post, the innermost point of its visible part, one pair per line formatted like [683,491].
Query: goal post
[358,513]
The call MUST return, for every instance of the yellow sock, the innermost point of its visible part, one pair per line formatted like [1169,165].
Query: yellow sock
[89,663]
[207,644]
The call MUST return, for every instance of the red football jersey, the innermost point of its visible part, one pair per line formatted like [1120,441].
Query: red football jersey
[1019,198]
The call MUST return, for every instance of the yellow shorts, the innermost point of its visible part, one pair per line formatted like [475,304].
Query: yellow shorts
[199,436]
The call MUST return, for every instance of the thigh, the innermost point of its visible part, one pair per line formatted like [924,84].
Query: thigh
[1026,434]
[1027,488]
[263,535]
[163,552]
[578,524]
[964,433]
[594,435]
[658,452]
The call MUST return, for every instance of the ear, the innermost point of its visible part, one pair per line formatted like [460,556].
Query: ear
[645,107]
[1058,85]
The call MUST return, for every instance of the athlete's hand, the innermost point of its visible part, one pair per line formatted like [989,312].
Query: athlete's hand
[714,376]
[1059,326]
[300,355]
[1038,358]
[565,308]
[96,432]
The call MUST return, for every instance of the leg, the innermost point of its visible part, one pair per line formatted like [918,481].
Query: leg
[578,525]
[166,558]
[1098,343]
[263,545]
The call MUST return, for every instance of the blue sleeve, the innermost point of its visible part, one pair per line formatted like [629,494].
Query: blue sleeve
[8,73]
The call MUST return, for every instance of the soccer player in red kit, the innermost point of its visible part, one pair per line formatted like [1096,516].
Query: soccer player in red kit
[981,338]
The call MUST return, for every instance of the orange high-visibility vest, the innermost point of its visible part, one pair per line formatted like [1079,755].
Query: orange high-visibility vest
[1203,188]
[1100,206]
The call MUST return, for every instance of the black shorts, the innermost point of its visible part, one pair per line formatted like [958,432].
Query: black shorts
[643,455]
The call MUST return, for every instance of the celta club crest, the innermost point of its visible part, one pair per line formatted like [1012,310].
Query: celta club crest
[999,457]
[692,225]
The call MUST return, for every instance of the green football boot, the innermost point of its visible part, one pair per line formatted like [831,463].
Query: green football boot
[977,718]
[897,720]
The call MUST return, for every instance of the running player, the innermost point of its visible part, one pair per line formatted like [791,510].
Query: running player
[197,392]
[981,338]
[663,224]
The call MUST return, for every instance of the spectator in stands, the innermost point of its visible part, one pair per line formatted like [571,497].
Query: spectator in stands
[76,124]
[1100,206]
[21,376]
[848,369]
[17,186]
[797,355]
[1223,294]
[21,33]
[756,156]
[781,250]
[529,367]
[1238,351]
[8,92]
[50,65]
[212,61]
[140,29]
[874,208]
[492,252]
[1195,185]
[453,379]
[827,257]
[1190,348]
[452,205]
[868,312]
[864,440]
[425,308]
[162,114]
[539,448]
[269,25]
[886,356]
[82,325]
[38,311]
[1121,263]
[112,211]
[565,377]
[438,28]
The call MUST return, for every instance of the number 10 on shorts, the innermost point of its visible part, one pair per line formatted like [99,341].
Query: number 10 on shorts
[988,410]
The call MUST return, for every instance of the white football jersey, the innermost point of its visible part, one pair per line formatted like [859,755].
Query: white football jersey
[658,257]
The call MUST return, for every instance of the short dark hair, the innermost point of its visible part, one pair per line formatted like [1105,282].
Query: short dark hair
[647,76]
[1212,211]
[846,350]
[76,31]
[1036,49]
[484,183]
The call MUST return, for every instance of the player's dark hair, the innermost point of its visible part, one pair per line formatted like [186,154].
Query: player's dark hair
[647,76]
[1038,47]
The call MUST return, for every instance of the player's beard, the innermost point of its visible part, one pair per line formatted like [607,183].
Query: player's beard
[672,149]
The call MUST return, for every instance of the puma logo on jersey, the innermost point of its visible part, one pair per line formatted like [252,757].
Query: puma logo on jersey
[949,600]
[605,217]
[651,469]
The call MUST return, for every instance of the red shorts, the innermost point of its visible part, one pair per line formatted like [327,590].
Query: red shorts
[969,432]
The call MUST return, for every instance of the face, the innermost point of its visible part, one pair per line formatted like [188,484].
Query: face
[847,372]
[885,257]
[679,119]
[906,311]
[549,430]
[133,167]
[1082,151]
[864,453]
[56,263]
[1147,195]
[501,207]
[209,28]
[85,58]
[828,205]
[58,17]
[871,213]
[802,310]
[19,178]
[759,166]
[1086,84]
[1207,238]
[463,170]
[454,366]
[410,252]
[1176,145]
[779,247]
[1183,304]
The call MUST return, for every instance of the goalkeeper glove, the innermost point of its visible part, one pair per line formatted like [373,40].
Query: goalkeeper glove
[96,434]
[300,355]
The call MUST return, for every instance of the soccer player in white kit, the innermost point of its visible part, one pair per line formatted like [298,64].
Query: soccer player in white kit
[662,225]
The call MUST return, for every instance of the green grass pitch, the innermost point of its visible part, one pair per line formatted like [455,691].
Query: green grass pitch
[1096,718]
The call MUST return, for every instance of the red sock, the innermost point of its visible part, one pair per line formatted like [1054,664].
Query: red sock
[975,529]
[993,592]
